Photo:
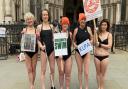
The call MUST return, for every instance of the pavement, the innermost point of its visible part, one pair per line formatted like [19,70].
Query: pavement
[13,74]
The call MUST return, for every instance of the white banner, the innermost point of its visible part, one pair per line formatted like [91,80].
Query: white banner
[85,47]
[92,9]
[2,31]
[28,42]
[60,44]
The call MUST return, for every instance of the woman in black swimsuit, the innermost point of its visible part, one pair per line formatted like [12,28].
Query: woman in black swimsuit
[30,57]
[103,44]
[45,43]
[81,34]
[65,62]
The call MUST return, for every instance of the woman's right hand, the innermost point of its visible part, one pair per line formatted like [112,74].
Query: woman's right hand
[75,46]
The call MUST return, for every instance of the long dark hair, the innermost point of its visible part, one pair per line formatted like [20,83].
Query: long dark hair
[108,25]
[49,16]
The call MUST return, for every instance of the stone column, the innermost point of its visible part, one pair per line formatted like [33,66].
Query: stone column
[127,11]
[26,6]
[13,11]
[106,12]
[118,13]
[8,16]
[111,19]
[1,12]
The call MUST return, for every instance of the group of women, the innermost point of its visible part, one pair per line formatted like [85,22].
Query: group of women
[101,39]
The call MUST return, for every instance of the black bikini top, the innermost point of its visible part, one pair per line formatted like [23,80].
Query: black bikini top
[105,41]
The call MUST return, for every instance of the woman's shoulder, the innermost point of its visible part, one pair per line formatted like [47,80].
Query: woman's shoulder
[24,30]
[109,34]
[39,27]
[76,29]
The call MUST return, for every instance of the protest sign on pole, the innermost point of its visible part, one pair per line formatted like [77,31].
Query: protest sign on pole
[60,44]
[92,9]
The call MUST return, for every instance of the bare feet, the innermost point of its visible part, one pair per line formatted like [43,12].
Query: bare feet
[80,87]
[61,87]
[32,87]
[43,87]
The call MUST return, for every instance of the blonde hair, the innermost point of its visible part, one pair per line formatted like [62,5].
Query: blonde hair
[29,15]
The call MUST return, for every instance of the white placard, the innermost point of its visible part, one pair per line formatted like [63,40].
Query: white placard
[85,47]
[28,42]
[92,9]
[60,44]
[2,31]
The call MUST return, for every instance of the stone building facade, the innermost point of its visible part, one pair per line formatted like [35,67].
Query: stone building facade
[115,10]
[14,10]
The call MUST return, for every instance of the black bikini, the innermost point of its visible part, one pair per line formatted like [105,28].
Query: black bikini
[105,41]
[81,36]
[31,54]
[46,37]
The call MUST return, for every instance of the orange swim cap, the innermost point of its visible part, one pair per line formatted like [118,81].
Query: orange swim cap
[65,20]
[81,16]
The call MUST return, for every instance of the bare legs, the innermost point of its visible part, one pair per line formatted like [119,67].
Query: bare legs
[31,69]
[80,61]
[101,68]
[44,65]
[64,74]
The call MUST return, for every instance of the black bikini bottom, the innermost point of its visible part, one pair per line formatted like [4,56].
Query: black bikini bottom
[79,53]
[30,54]
[64,57]
[48,52]
[101,57]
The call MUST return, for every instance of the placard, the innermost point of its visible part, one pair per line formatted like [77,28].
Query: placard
[2,31]
[60,44]
[28,42]
[85,47]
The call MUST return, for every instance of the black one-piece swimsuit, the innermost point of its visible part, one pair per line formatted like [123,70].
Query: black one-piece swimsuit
[46,37]
[81,36]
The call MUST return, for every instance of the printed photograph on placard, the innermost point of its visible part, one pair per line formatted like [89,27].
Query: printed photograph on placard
[28,42]
[60,44]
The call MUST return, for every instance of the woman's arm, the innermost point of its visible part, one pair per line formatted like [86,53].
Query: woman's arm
[74,38]
[95,38]
[109,45]
[71,38]
[90,33]
[23,31]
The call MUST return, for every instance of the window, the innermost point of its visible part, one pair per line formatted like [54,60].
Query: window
[123,10]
